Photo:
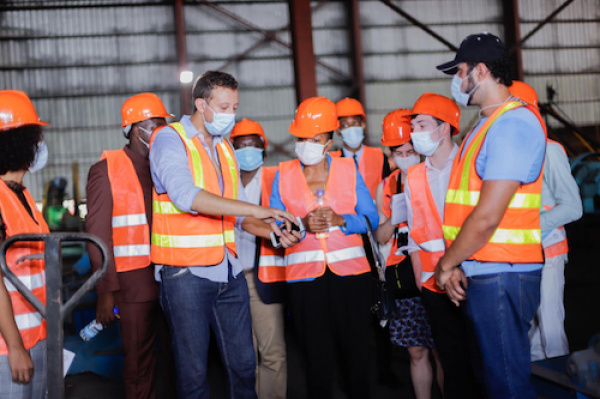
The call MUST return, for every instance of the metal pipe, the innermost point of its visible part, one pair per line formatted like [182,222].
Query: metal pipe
[419,24]
[54,312]
[337,74]
[305,73]
[512,34]
[543,23]
[356,52]
[185,90]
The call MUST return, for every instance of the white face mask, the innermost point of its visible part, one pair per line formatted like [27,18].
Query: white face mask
[353,136]
[423,143]
[310,153]
[222,123]
[144,142]
[41,158]
[461,98]
[404,163]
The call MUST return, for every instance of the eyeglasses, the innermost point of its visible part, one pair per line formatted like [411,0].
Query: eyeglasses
[352,124]
[398,153]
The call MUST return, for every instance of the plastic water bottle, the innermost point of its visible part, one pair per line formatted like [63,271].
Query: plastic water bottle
[321,203]
[93,328]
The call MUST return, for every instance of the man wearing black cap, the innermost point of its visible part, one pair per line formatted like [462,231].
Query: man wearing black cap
[491,226]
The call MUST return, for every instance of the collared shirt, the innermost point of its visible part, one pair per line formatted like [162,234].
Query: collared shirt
[171,174]
[355,224]
[437,180]
[559,190]
[513,149]
[349,154]
[245,242]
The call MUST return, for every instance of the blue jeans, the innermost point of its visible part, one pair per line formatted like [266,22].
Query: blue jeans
[194,305]
[499,310]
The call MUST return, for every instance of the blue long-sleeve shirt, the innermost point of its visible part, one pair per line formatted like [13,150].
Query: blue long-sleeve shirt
[355,224]
[171,174]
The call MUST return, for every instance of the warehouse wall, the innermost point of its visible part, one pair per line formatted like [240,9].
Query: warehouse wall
[79,60]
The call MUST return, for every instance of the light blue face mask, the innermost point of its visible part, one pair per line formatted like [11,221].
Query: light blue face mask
[353,136]
[41,158]
[222,123]
[249,158]
[459,96]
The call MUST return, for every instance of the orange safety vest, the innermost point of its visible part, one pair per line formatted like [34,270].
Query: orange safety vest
[130,229]
[427,225]
[389,189]
[32,273]
[370,166]
[518,237]
[271,264]
[343,254]
[182,238]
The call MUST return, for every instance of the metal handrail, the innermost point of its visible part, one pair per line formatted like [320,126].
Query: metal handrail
[54,312]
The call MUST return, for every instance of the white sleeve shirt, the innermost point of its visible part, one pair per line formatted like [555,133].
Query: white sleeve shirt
[559,190]
[437,180]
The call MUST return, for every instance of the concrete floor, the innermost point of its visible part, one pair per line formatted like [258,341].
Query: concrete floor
[582,304]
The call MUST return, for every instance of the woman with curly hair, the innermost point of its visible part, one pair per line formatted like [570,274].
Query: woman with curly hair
[22,330]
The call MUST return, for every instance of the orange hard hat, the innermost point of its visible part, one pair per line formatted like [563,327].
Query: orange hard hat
[349,107]
[314,116]
[246,127]
[524,92]
[439,107]
[141,107]
[16,110]
[396,128]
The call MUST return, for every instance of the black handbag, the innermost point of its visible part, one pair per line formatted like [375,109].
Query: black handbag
[383,303]
[400,278]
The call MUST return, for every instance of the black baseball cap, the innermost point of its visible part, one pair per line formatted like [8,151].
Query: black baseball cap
[479,47]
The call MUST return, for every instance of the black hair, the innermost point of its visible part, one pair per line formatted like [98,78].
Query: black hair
[206,82]
[329,135]
[501,69]
[18,147]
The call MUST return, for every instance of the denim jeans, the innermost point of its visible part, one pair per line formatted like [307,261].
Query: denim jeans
[499,310]
[193,306]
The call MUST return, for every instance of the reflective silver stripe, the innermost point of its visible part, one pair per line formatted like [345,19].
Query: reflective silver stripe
[129,220]
[195,241]
[131,250]
[271,260]
[426,276]
[31,281]
[28,320]
[345,254]
[305,256]
[433,245]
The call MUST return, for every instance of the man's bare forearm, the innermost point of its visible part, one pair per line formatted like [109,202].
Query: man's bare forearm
[210,204]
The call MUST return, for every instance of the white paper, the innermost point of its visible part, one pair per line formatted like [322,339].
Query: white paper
[68,358]
[399,211]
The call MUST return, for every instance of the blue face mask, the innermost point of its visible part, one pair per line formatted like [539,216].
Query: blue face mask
[222,123]
[249,158]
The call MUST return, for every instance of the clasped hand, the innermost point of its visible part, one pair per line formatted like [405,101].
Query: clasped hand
[321,219]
